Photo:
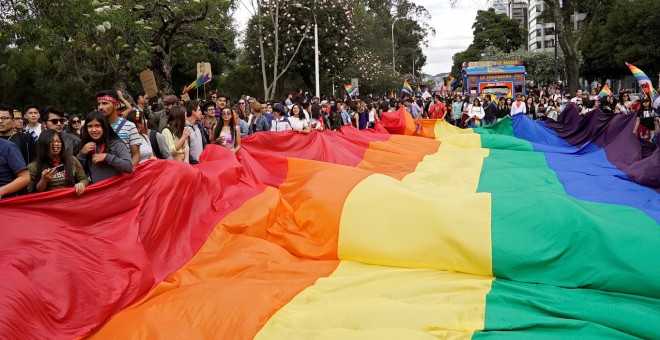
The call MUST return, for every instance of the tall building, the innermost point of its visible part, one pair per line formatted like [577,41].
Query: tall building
[501,6]
[517,9]
[541,34]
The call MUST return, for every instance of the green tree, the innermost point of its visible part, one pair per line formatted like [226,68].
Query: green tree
[490,30]
[540,66]
[617,39]
[69,49]
[570,29]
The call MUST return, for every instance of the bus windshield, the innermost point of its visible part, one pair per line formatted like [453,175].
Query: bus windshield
[500,91]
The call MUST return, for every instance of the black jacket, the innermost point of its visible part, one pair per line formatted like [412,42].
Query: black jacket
[26,144]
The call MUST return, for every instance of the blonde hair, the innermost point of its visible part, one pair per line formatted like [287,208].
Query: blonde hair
[256,106]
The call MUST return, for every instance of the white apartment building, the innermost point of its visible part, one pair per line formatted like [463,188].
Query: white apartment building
[517,9]
[541,35]
[501,6]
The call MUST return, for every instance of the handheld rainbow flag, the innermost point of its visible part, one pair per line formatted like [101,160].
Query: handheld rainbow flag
[605,91]
[351,89]
[201,80]
[453,83]
[406,87]
[643,80]
[419,91]
[495,101]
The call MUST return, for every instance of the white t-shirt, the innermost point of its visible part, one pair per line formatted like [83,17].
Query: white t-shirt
[145,149]
[298,124]
[516,109]
[476,111]
[34,131]
[280,125]
[315,124]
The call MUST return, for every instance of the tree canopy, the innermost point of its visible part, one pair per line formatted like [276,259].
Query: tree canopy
[622,34]
[62,51]
[490,30]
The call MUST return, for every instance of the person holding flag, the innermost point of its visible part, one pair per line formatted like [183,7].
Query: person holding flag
[646,125]
[438,110]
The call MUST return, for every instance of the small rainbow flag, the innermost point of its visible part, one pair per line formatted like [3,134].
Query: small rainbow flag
[643,80]
[351,89]
[495,101]
[419,91]
[406,87]
[605,91]
[453,83]
[203,79]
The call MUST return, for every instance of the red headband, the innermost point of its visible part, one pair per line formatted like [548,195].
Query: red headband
[108,98]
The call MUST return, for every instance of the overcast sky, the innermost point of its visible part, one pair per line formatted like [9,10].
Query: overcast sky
[453,27]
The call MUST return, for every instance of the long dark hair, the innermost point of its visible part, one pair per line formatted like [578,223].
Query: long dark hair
[44,161]
[69,127]
[108,133]
[221,124]
[136,117]
[301,113]
[176,121]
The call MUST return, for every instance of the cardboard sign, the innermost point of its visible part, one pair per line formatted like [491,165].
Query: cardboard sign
[185,97]
[203,69]
[149,83]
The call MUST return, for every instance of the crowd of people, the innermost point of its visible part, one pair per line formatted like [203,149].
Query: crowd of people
[43,149]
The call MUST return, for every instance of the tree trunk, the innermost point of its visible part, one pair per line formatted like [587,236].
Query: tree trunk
[264,75]
[162,68]
[568,43]
[572,60]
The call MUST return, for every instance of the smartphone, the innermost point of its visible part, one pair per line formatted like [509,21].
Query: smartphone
[59,168]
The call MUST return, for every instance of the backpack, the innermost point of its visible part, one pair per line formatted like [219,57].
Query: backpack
[154,144]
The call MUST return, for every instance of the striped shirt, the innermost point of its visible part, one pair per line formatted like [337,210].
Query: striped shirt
[128,133]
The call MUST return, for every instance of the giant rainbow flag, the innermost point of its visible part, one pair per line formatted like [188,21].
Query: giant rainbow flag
[518,229]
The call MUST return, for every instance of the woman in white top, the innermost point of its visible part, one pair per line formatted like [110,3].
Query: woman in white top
[373,116]
[624,106]
[146,150]
[519,106]
[475,113]
[298,121]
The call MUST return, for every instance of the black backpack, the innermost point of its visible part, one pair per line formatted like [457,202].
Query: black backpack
[154,144]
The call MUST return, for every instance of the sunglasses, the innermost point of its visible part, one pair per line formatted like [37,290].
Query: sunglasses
[75,121]
[243,103]
[226,113]
[213,97]
[57,120]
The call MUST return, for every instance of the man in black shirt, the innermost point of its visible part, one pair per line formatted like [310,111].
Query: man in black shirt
[23,140]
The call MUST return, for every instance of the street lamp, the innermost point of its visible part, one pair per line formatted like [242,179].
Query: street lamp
[415,57]
[395,20]
[316,49]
